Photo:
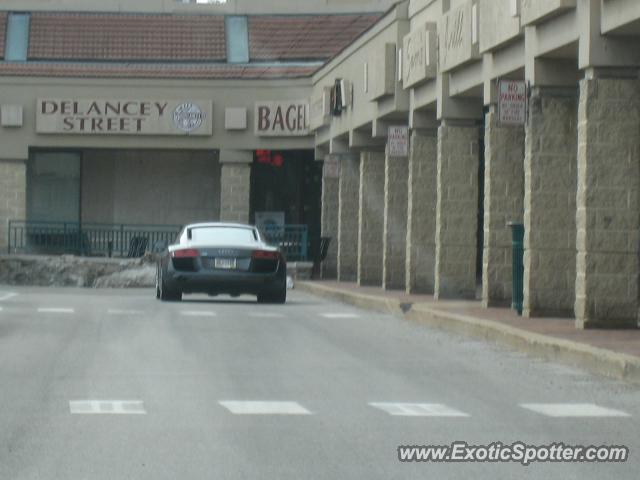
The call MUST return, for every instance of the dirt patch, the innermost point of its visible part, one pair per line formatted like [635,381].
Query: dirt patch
[72,271]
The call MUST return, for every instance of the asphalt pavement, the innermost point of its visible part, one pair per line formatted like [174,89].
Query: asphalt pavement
[113,384]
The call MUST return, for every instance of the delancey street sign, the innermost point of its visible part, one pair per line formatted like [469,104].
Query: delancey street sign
[124,116]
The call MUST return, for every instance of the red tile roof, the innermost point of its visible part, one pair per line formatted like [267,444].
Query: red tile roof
[143,70]
[113,37]
[304,37]
[3,23]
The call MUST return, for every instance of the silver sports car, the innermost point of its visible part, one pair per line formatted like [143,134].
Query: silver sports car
[216,258]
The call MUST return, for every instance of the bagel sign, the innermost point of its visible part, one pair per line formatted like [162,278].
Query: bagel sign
[282,119]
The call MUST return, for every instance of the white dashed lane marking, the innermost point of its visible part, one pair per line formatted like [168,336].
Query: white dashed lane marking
[264,408]
[339,315]
[418,409]
[198,313]
[7,295]
[573,410]
[56,310]
[124,312]
[266,315]
[107,407]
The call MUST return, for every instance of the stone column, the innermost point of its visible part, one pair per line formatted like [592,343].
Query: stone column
[503,203]
[396,176]
[550,203]
[13,196]
[330,181]
[608,205]
[235,185]
[421,219]
[456,211]
[371,218]
[348,192]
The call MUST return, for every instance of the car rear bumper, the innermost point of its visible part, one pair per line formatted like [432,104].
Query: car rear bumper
[225,282]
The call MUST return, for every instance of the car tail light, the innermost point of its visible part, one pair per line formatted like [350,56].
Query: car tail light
[185,253]
[265,255]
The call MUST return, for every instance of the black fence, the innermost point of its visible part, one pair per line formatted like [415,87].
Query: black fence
[90,239]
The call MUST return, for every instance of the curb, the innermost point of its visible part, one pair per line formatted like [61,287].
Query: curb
[596,360]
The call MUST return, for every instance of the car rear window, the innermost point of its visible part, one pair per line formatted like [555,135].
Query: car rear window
[222,235]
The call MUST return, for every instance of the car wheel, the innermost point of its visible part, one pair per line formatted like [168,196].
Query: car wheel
[277,297]
[280,296]
[166,293]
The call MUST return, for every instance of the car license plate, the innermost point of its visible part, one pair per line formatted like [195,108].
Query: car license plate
[225,263]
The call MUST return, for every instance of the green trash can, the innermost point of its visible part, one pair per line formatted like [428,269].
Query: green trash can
[517,281]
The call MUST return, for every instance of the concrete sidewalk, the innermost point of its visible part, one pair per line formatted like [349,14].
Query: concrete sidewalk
[614,353]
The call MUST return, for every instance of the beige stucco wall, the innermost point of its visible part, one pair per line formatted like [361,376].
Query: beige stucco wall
[25,91]
[150,186]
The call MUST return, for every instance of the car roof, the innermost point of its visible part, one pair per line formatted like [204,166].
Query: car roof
[219,224]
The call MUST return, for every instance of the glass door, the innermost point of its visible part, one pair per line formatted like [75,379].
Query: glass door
[53,187]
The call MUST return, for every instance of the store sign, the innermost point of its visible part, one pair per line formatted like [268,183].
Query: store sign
[124,117]
[419,52]
[534,10]
[282,119]
[398,141]
[456,36]
[512,102]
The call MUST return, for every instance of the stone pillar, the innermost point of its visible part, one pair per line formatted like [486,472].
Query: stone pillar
[330,180]
[13,196]
[348,192]
[396,176]
[550,203]
[371,218]
[608,205]
[235,185]
[503,203]
[421,219]
[456,211]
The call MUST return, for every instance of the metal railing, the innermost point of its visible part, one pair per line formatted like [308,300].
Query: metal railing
[98,239]
[293,240]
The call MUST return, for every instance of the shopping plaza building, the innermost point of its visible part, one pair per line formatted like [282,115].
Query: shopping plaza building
[412,133]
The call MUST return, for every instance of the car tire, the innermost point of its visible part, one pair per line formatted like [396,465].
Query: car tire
[157,282]
[166,293]
[277,297]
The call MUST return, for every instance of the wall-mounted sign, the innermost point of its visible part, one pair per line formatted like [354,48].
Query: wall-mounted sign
[457,31]
[320,108]
[512,102]
[419,52]
[282,119]
[398,141]
[331,166]
[533,11]
[124,116]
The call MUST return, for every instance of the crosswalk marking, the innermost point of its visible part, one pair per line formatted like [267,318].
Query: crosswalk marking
[124,312]
[198,313]
[573,410]
[339,315]
[55,310]
[418,409]
[264,408]
[107,407]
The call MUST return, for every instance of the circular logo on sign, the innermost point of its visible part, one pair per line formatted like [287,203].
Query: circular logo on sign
[188,117]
